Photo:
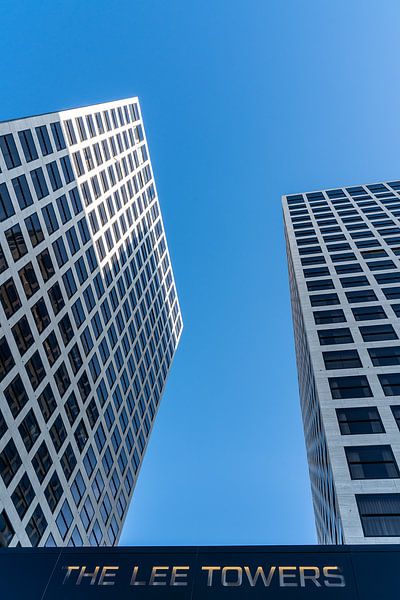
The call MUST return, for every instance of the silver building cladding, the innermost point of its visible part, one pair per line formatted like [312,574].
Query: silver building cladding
[343,249]
[90,322]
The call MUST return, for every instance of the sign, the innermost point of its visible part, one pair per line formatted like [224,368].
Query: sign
[368,572]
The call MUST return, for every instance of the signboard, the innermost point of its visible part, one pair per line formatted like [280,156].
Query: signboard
[367,572]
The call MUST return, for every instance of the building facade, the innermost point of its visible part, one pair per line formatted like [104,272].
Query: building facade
[89,322]
[343,248]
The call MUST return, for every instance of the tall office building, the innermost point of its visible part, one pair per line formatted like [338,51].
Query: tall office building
[343,248]
[89,317]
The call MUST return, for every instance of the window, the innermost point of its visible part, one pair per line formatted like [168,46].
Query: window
[6,358]
[396,414]
[341,359]
[51,348]
[28,279]
[41,315]
[50,218]
[69,283]
[9,298]
[359,281]
[16,396]
[53,491]
[341,335]
[35,370]
[54,176]
[380,514]
[390,383]
[72,408]
[321,284]
[16,242]
[23,335]
[385,278]
[45,265]
[34,229]
[368,313]
[324,299]
[56,298]
[356,386]
[64,520]
[3,262]
[75,358]
[361,296]
[6,206]
[63,209]
[23,496]
[44,140]
[392,293]
[69,127]
[68,461]
[29,430]
[39,183]
[376,333]
[9,150]
[36,526]
[28,145]
[60,251]
[383,357]
[81,435]
[66,329]
[360,420]
[58,135]
[352,268]
[47,402]
[62,379]
[371,462]
[58,433]
[67,169]
[22,191]
[10,462]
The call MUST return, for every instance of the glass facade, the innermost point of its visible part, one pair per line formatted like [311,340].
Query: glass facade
[90,321]
[343,248]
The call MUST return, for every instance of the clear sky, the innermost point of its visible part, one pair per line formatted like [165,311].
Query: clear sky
[242,102]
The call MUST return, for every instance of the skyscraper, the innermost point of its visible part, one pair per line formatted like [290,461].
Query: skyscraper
[343,248]
[90,321]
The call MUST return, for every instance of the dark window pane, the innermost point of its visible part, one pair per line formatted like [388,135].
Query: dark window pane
[29,430]
[23,335]
[9,150]
[34,229]
[44,140]
[341,335]
[349,387]
[35,370]
[376,333]
[22,191]
[341,359]
[41,315]
[16,396]
[371,462]
[368,313]
[380,514]
[6,358]
[36,526]
[16,242]
[390,383]
[10,462]
[28,279]
[360,420]
[28,145]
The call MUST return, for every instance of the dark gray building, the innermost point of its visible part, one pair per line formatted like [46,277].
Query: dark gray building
[89,322]
[343,248]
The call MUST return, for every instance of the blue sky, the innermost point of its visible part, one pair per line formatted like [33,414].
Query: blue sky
[242,102]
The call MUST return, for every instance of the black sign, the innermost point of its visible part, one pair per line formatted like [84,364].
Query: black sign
[367,572]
